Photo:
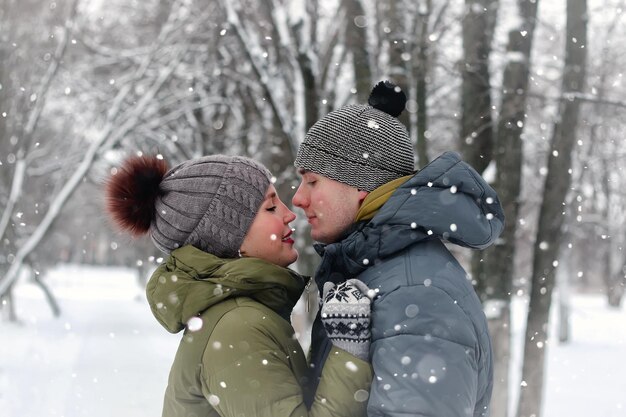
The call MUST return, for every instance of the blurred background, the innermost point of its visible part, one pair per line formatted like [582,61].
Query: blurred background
[530,92]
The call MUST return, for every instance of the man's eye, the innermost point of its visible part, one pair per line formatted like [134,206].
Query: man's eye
[273,208]
[312,182]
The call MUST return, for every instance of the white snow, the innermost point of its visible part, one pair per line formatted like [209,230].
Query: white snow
[587,376]
[107,356]
[513,56]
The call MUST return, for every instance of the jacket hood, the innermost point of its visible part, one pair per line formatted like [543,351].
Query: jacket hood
[190,281]
[447,200]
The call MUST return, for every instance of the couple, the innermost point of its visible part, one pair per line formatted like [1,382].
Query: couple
[380,226]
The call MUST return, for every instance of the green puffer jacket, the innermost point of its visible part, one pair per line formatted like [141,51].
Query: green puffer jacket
[239,355]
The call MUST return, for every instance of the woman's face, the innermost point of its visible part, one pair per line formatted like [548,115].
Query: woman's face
[269,236]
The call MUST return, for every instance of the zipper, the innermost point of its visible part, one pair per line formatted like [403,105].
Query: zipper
[307,291]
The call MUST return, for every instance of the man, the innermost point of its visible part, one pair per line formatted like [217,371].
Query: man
[382,223]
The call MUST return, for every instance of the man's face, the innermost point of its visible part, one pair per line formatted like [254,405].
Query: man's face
[329,205]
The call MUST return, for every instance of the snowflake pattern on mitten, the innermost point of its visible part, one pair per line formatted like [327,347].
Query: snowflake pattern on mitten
[345,314]
[344,292]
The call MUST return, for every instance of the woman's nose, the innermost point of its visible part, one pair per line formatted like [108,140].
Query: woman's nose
[289,216]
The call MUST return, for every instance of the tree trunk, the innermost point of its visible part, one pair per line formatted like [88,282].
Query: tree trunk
[618,288]
[356,43]
[7,306]
[311,98]
[563,279]
[52,301]
[399,52]
[615,281]
[163,12]
[4,94]
[613,284]
[476,120]
[495,275]
[551,213]
[421,74]
[499,321]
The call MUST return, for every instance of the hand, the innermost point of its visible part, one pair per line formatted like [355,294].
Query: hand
[346,316]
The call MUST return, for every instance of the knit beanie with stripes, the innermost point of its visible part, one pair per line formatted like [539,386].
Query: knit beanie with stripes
[364,146]
[208,202]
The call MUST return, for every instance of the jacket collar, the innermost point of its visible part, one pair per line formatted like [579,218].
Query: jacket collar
[190,281]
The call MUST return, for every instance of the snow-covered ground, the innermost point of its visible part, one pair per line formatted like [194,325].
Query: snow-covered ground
[106,356]
[587,377]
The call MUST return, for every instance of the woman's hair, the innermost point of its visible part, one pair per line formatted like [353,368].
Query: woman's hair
[132,192]
[208,202]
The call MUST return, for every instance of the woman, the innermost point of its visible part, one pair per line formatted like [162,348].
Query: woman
[226,285]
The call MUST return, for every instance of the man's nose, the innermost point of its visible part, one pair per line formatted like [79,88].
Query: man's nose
[299,199]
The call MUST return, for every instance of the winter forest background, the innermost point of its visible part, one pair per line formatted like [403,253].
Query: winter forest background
[530,92]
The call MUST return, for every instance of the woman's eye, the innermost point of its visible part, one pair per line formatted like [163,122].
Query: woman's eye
[311,182]
[273,208]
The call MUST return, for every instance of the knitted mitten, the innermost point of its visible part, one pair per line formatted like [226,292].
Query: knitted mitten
[346,316]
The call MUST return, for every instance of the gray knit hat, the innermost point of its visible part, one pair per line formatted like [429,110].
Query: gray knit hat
[364,146]
[210,203]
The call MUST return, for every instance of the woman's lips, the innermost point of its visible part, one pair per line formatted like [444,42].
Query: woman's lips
[287,238]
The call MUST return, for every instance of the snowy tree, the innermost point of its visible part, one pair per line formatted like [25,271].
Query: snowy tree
[22,148]
[126,112]
[551,215]
[494,269]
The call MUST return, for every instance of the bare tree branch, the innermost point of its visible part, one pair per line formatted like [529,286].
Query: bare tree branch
[263,77]
[119,122]
[33,120]
[109,136]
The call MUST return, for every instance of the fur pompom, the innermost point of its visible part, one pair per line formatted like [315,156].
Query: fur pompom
[131,193]
[387,97]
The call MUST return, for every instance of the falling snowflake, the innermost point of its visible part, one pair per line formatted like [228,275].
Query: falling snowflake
[351,366]
[194,324]
[361,395]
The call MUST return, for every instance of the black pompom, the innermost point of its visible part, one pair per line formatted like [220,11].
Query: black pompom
[387,97]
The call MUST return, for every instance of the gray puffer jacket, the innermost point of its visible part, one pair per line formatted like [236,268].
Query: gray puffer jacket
[431,350]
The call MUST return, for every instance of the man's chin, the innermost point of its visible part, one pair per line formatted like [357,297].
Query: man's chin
[317,237]
[321,237]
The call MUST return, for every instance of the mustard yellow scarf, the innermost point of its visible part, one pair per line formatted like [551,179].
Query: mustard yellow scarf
[375,200]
